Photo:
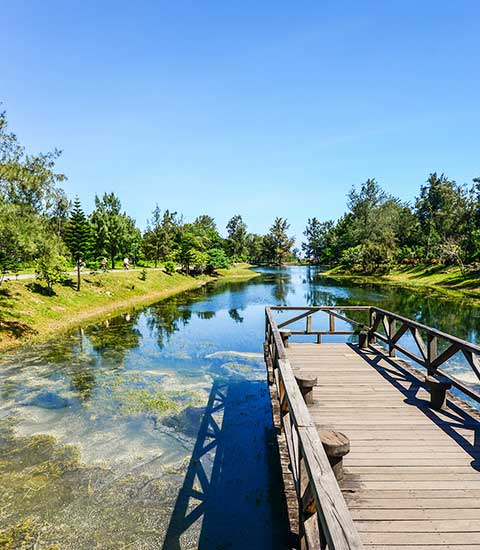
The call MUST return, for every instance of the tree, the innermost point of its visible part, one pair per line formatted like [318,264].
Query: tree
[441,212]
[317,247]
[277,243]
[78,236]
[154,236]
[29,200]
[237,237]
[112,228]
[216,259]
[255,248]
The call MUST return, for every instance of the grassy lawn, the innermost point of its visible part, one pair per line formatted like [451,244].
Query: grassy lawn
[447,279]
[27,312]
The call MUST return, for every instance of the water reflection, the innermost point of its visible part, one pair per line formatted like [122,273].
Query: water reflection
[153,428]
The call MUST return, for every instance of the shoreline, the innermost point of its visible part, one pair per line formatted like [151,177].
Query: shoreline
[446,281]
[68,309]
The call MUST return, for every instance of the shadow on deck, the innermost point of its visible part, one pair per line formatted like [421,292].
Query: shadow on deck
[449,420]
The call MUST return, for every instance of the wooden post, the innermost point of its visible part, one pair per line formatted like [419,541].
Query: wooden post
[392,328]
[431,352]
[309,323]
[285,335]
[363,339]
[336,446]
[306,385]
[373,318]
[331,322]
[438,387]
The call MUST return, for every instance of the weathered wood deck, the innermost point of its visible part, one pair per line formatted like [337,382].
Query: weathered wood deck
[412,476]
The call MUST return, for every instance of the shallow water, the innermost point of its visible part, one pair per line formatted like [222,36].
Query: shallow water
[153,429]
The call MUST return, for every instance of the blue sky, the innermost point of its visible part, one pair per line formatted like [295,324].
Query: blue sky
[259,108]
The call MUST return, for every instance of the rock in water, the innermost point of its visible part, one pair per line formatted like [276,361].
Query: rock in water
[48,400]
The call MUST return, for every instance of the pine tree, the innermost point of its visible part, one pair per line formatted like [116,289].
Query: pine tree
[78,236]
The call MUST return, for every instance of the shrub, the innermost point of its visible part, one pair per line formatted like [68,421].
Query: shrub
[170,267]
[51,270]
[217,259]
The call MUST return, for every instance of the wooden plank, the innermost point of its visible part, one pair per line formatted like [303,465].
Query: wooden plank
[413,503]
[420,526]
[421,539]
[413,484]
[423,547]
[371,514]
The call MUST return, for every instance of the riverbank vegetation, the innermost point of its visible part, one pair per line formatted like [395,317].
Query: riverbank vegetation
[379,233]
[28,311]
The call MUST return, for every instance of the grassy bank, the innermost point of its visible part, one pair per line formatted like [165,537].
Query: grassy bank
[28,313]
[445,279]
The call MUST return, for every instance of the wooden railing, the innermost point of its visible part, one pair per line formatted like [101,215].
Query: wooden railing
[427,340]
[324,519]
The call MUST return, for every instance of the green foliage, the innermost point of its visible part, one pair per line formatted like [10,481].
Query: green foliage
[31,205]
[237,237]
[115,232]
[162,235]
[170,267]
[217,259]
[78,236]
[318,247]
[143,275]
[51,270]
[277,245]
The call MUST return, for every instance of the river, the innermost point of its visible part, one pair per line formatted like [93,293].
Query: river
[153,429]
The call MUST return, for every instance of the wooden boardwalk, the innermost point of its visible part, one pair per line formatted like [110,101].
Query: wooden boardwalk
[412,476]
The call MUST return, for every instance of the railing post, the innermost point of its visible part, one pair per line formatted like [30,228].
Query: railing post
[309,324]
[285,335]
[392,328]
[373,318]
[331,322]
[431,352]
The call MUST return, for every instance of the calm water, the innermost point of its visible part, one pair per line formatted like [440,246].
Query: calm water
[153,429]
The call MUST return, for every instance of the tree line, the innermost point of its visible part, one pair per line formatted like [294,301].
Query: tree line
[41,228]
[379,231]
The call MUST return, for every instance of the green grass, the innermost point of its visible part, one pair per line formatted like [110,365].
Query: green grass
[444,278]
[27,312]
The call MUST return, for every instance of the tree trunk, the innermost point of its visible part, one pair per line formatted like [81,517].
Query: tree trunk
[113,260]
[78,275]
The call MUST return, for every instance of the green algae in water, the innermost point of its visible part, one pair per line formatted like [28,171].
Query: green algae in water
[50,500]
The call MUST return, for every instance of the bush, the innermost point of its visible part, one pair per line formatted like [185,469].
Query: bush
[170,267]
[143,275]
[352,256]
[51,270]
[217,259]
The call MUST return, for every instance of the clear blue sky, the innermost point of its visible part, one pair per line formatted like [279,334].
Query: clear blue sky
[255,107]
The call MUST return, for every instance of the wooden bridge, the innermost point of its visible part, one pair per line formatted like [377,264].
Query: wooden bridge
[377,452]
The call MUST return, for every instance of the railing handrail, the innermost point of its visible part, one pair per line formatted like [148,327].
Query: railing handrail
[428,357]
[334,522]
[430,330]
